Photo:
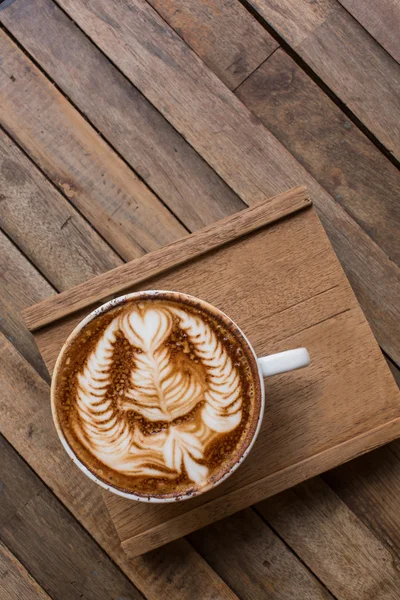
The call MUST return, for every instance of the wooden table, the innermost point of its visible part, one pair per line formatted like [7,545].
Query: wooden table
[127,124]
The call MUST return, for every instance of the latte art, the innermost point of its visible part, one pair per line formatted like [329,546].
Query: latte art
[157,397]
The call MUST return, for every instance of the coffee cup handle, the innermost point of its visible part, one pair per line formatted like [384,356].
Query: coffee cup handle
[284,361]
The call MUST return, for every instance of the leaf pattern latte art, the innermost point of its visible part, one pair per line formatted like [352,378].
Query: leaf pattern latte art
[159,390]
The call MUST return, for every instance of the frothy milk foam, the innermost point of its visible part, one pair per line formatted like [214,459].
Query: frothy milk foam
[157,396]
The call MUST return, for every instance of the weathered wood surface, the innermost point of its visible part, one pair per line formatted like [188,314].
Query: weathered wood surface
[224,34]
[246,155]
[381,20]
[162,158]
[340,157]
[136,272]
[77,159]
[55,549]
[355,173]
[345,57]
[15,581]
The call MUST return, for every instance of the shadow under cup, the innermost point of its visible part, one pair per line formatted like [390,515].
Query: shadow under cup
[86,404]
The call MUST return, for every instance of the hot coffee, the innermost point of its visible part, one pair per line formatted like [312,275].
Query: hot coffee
[158,396]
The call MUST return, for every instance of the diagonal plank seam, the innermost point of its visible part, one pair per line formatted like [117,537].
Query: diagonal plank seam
[99,133]
[256,69]
[48,488]
[299,558]
[29,260]
[320,82]
[59,190]
[363,27]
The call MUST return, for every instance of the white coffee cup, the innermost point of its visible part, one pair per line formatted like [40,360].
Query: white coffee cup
[272,364]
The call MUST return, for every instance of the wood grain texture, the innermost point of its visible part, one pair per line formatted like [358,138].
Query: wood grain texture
[234,143]
[340,157]
[21,284]
[56,550]
[381,20]
[254,561]
[15,581]
[45,226]
[78,161]
[162,575]
[180,252]
[224,34]
[345,56]
[323,532]
[154,149]
[370,488]
[311,305]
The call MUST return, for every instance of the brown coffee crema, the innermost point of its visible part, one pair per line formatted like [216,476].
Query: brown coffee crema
[158,396]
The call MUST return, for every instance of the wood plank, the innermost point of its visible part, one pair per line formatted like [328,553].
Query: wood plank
[381,20]
[18,274]
[233,141]
[224,34]
[167,573]
[52,546]
[345,57]
[15,581]
[340,157]
[311,305]
[137,271]
[77,159]
[153,148]
[254,561]
[329,538]
[370,487]
[311,126]
[45,226]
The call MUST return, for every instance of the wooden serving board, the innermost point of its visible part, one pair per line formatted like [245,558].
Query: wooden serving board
[273,270]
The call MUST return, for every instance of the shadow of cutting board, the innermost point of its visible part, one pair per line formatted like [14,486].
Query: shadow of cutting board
[273,270]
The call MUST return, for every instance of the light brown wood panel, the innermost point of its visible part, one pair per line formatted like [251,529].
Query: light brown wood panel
[224,34]
[340,157]
[157,152]
[381,20]
[155,263]
[21,284]
[78,160]
[254,561]
[346,58]
[307,301]
[324,533]
[56,550]
[233,141]
[45,226]
[15,581]
[168,573]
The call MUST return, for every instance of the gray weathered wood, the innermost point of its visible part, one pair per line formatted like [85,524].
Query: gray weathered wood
[224,34]
[15,581]
[229,137]
[21,284]
[45,226]
[346,58]
[324,533]
[79,162]
[340,157]
[162,157]
[381,19]
[55,549]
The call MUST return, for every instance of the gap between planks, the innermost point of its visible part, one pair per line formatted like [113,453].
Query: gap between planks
[177,253]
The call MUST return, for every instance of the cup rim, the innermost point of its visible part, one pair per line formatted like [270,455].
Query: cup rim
[131,495]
